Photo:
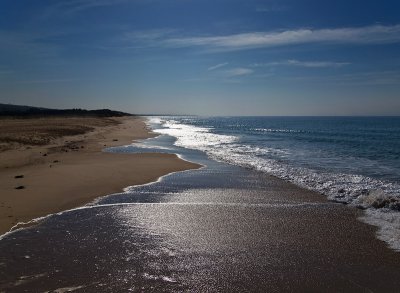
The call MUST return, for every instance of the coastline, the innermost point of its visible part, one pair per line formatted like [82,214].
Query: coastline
[222,227]
[61,180]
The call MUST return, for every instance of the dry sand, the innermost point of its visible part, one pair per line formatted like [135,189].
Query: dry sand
[64,172]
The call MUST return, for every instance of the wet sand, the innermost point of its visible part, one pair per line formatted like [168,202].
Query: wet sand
[68,171]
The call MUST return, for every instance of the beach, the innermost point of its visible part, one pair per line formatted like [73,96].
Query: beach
[71,170]
[199,146]
[219,228]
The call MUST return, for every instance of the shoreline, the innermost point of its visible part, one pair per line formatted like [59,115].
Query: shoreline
[92,204]
[60,180]
[221,227]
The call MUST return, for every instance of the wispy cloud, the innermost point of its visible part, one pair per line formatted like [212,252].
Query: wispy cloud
[49,80]
[139,39]
[217,66]
[79,5]
[387,77]
[240,71]
[151,34]
[310,64]
[376,34]
[369,78]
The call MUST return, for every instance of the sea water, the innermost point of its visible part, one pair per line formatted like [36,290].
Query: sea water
[353,160]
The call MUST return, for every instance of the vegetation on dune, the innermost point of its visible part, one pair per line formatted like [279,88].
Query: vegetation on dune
[28,111]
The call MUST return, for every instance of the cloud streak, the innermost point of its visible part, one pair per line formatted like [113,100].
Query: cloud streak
[240,71]
[48,80]
[80,5]
[309,64]
[217,66]
[376,34]
[370,78]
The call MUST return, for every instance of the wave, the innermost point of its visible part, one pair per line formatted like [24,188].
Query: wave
[356,190]
[195,137]
[277,130]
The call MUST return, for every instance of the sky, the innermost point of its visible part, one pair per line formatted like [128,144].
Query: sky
[203,57]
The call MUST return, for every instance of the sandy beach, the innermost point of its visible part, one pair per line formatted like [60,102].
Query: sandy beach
[42,176]
[222,228]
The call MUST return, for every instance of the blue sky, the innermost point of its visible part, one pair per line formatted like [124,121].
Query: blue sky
[220,57]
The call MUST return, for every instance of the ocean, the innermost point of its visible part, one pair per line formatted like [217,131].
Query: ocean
[342,157]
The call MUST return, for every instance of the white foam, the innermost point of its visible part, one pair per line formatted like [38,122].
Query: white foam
[161,277]
[140,144]
[68,289]
[25,279]
[194,137]
[155,120]
[22,225]
[388,223]
[277,130]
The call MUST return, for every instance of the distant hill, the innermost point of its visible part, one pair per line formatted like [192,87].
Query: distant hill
[28,111]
